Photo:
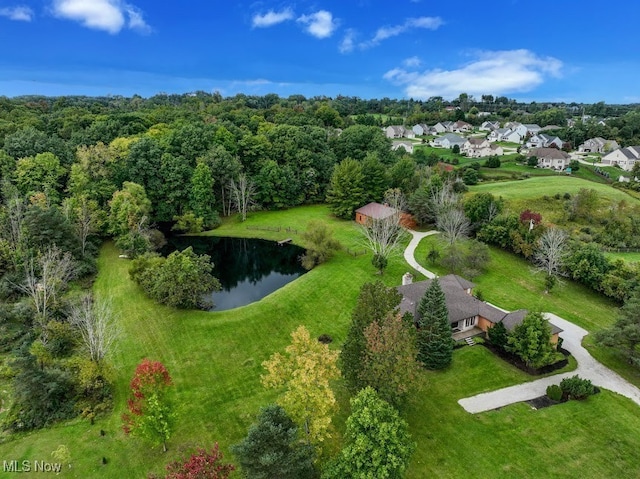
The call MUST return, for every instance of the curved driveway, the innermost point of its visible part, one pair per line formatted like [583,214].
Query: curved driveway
[572,336]
[409,252]
[588,368]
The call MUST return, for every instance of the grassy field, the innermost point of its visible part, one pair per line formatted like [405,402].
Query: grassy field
[630,257]
[215,360]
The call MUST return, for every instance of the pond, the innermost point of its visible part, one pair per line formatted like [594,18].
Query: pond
[248,269]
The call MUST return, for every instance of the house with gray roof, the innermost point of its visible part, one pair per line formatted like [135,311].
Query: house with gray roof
[542,140]
[449,141]
[598,145]
[405,145]
[468,315]
[625,158]
[421,129]
[443,126]
[398,131]
[551,158]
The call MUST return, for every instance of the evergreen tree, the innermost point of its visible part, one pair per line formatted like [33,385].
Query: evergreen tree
[435,346]
[272,448]
[375,181]
[375,302]
[346,190]
[531,340]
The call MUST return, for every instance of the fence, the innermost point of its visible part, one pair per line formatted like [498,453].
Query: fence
[355,252]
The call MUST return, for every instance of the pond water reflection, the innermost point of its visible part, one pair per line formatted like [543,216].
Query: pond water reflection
[248,269]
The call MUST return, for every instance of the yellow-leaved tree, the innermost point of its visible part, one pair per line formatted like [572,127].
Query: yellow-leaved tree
[304,371]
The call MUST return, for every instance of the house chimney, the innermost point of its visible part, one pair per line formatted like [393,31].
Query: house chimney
[407,278]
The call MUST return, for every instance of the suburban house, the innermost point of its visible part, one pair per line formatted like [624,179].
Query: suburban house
[528,129]
[372,212]
[598,145]
[406,145]
[449,141]
[542,140]
[489,125]
[625,158]
[398,131]
[480,147]
[467,314]
[442,126]
[551,158]
[461,126]
[421,129]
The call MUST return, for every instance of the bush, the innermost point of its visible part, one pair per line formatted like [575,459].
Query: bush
[492,162]
[576,387]
[554,392]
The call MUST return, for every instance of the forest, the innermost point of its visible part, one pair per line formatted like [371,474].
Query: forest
[75,171]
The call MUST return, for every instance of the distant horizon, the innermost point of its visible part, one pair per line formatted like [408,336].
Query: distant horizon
[551,52]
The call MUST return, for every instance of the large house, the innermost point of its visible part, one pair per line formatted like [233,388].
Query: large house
[480,148]
[421,129]
[449,141]
[398,131]
[542,140]
[598,145]
[489,125]
[442,126]
[551,158]
[505,134]
[467,314]
[398,144]
[461,126]
[625,158]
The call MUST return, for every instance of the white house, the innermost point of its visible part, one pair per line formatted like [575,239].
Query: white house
[544,141]
[625,158]
[461,126]
[406,145]
[398,131]
[489,125]
[442,126]
[449,141]
[421,129]
[551,158]
[598,145]
[511,136]
[479,148]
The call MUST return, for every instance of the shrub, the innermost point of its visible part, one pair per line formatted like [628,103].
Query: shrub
[498,335]
[576,387]
[554,392]
[492,162]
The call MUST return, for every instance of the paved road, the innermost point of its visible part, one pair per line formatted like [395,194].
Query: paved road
[588,368]
[409,252]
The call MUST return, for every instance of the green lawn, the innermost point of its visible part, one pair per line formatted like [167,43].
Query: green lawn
[215,360]
[537,187]
[630,257]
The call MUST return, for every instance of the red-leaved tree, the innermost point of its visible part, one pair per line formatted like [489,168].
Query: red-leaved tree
[150,413]
[201,465]
[527,216]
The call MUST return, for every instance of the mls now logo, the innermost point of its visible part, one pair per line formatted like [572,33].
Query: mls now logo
[31,466]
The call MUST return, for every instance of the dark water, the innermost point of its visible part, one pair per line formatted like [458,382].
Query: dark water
[248,269]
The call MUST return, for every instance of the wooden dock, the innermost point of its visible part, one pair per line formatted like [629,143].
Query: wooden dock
[284,241]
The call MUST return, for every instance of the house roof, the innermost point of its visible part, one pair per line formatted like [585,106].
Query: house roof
[549,153]
[460,304]
[376,211]
[453,138]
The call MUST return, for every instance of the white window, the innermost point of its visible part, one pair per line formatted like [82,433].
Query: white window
[469,322]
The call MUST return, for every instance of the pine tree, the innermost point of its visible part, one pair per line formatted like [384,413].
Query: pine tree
[272,448]
[346,192]
[435,346]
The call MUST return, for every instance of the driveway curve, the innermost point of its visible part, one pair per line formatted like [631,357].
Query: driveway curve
[588,368]
[410,250]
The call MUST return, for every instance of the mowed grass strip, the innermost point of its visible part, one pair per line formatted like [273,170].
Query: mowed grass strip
[215,360]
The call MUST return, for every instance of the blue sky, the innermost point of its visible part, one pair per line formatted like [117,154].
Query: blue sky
[567,50]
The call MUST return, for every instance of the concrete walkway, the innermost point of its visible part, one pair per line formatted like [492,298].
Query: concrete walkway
[588,368]
[409,252]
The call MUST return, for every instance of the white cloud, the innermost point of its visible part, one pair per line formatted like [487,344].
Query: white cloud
[412,62]
[348,42]
[319,24]
[430,23]
[491,72]
[108,15]
[18,13]
[271,18]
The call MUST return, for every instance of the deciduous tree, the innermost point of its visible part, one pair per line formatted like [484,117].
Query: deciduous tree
[378,443]
[321,245]
[375,302]
[531,340]
[150,413]
[551,253]
[96,322]
[305,371]
[389,360]
[624,335]
[201,465]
